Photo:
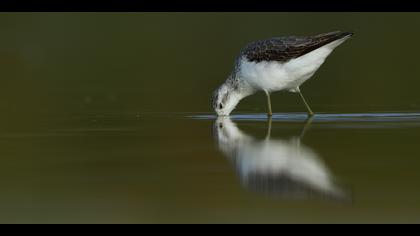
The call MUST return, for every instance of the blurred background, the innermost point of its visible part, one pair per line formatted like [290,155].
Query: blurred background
[171,62]
[94,122]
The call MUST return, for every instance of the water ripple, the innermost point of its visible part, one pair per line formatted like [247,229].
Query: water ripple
[321,117]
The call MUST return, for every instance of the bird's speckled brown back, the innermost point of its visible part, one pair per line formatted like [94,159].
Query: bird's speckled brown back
[283,49]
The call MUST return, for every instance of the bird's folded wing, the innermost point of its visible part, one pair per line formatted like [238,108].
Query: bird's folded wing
[286,48]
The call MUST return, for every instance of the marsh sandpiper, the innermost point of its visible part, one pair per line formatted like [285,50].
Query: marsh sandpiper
[275,64]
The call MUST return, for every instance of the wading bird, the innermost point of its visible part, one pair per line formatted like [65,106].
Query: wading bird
[275,64]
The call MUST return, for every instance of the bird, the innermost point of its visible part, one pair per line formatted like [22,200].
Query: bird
[275,64]
[277,167]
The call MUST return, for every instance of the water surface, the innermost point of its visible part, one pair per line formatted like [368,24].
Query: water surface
[190,167]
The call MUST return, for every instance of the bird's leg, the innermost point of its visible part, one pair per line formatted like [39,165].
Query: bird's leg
[269,128]
[270,113]
[306,127]
[310,113]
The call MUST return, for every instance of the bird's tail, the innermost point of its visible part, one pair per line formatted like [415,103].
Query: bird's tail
[332,36]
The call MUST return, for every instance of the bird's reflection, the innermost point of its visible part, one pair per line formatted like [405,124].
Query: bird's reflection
[284,168]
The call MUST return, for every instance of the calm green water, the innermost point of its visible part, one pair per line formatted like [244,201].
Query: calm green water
[114,167]
[106,118]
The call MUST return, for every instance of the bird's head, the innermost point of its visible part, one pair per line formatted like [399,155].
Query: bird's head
[225,99]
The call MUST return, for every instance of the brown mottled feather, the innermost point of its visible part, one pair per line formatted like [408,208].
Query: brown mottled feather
[285,48]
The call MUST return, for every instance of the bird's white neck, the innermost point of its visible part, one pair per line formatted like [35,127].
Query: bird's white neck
[239,87]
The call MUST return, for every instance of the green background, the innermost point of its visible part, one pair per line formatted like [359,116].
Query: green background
[171,62]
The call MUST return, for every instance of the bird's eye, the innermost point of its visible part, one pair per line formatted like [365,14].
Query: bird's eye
[220,106]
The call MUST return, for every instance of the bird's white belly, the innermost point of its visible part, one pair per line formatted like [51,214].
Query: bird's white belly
[275,76]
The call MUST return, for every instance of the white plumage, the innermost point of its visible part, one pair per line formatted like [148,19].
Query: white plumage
[271,76]
[274,65]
